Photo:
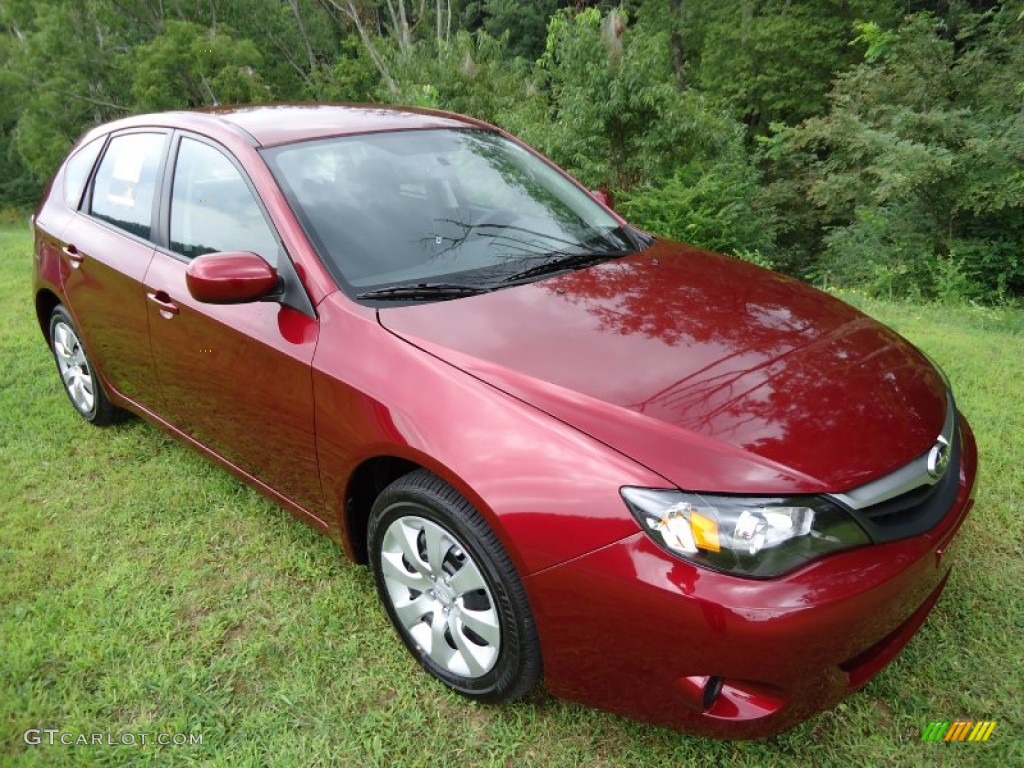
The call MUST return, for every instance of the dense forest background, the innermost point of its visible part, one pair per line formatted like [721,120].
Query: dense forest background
[866,143]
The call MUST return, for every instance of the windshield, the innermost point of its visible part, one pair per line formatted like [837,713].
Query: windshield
[429,206]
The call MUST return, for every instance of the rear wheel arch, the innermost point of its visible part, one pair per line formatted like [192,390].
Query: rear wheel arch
[46,302]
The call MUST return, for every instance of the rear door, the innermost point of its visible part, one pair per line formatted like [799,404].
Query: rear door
[106,251]
[237,378]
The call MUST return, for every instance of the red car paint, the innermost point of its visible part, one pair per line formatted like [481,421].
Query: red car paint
[230,278]
[669,368]
[787,648]
[676,351]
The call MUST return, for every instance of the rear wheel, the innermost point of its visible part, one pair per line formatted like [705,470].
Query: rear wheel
[81,384]
[451,591]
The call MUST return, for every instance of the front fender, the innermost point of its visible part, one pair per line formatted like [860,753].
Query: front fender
[549,492]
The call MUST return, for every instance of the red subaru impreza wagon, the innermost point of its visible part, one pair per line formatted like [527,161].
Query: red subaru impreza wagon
[665,482]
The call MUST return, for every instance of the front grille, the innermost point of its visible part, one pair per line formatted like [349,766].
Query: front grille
[915,511]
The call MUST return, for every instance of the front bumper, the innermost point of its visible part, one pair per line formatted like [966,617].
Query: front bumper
[630,629]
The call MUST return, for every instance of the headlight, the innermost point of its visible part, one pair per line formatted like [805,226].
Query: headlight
[756,537]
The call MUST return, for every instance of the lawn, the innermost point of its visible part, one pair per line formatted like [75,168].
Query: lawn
[144,590]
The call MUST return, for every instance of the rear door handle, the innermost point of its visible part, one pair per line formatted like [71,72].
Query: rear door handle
[167,307]
[74,257]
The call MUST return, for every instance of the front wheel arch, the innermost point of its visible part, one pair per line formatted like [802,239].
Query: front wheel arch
[364,485]
[375,472]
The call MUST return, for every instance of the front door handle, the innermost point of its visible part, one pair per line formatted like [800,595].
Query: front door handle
[168,308]
[74,257]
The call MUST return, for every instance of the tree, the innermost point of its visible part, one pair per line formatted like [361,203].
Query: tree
[524,23]
[773,61]
[914,177]
[60,88]
[189,65]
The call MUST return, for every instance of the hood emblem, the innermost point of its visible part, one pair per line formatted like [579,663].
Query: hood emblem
[938,458]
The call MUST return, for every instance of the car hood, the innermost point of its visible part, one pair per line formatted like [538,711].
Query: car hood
[716,374]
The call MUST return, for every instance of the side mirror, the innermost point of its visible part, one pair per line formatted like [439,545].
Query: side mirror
[604,197]
[230,277]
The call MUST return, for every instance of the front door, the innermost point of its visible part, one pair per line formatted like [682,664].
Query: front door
[237,378]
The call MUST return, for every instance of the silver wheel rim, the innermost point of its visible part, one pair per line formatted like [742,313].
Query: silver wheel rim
[440,596]
[73,367]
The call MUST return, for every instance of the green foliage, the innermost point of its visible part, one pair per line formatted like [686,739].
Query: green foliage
[352,76]
[60,78]
[913,176]
[878,41]
[295,38]
[619,120]
[17,185]
[616,116]
[841,140]
[524,23]
[713,205]
[605,95]
[774,60]
[189,65]
[472,75]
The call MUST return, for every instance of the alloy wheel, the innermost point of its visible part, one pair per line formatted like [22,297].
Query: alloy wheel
[74,367]
[440,596]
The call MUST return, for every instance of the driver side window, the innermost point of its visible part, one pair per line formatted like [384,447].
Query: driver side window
[213,209]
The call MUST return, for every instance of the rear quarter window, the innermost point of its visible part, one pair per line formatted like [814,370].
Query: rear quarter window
[76,172]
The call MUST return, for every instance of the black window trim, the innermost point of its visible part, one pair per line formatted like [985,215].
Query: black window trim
[294,293]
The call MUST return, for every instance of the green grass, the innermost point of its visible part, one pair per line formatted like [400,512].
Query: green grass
[144,590]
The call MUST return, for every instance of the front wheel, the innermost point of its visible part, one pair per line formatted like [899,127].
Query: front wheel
[451,591]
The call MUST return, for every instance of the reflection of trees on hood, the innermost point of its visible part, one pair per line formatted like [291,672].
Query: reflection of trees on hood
[778,346]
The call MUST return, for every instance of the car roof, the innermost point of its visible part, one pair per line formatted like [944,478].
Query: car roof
[269,125]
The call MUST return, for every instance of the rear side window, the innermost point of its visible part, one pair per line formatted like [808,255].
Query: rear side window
[76,172]
[126,182]
[213,209]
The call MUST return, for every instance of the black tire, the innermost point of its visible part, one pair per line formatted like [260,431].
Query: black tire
[78,377]
[508,662]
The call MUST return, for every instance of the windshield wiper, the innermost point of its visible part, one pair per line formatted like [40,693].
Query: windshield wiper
[560,262]
[423,291]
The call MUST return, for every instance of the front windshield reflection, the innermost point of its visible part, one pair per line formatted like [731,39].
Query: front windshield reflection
[436,205]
